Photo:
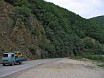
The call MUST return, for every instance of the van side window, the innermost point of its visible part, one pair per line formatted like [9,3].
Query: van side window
[12,55]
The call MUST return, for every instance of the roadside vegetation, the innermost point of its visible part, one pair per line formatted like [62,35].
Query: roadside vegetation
[100,65]
[97,58]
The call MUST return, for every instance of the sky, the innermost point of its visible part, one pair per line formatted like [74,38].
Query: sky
[85,8]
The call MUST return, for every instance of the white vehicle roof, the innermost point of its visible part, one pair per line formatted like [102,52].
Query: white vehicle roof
[8,53]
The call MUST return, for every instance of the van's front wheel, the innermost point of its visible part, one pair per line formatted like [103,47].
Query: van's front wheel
[12,64]
[3,64]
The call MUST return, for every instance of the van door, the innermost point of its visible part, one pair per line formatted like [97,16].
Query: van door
[12,57]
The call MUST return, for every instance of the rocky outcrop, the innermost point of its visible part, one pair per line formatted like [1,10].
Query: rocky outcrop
[15,35]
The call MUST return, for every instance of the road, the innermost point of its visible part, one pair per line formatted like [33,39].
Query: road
[7,70]
[64,68]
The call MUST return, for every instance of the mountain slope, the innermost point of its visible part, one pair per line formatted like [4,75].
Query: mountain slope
[66,26]
[99,20]
[15,35]
[41,29]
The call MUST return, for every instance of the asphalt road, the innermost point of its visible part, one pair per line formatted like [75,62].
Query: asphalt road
[7,70]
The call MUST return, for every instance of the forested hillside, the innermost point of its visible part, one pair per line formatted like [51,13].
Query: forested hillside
[60,32]
[99,20]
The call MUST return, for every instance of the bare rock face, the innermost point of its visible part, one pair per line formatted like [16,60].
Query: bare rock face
[15,35]
[21,36]
[5,26]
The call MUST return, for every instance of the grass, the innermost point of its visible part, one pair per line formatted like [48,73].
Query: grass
[101,65]
[97,58]
[76,57]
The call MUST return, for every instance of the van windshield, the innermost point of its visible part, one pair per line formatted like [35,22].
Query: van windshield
[5,55]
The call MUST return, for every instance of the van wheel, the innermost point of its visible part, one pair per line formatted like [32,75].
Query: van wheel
[3,64]
[12,64]
[20,62]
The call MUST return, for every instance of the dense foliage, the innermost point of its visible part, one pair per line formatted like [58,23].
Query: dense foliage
[68,33]
[99,20]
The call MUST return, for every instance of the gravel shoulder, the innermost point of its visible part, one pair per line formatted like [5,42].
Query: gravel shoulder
[66,68]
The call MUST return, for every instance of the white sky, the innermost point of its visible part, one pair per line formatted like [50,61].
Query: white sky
[85,8]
